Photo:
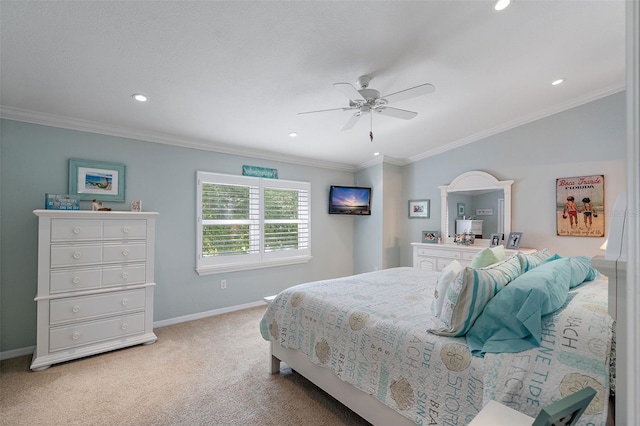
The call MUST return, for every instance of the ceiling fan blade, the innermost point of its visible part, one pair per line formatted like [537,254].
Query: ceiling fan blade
[352,121]
[395,112]
[412,92]
[324,110]
[349,91]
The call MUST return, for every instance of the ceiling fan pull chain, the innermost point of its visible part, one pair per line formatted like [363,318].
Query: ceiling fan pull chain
[371,131]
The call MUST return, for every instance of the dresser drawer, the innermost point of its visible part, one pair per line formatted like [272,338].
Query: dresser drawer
[70,336]
[96,306]
[453,254]
[75,230]
[130,252]
[468,255]
[123,275]
[74,280]
[75,255]
[124,229]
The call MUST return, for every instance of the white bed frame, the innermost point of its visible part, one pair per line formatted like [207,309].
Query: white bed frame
[363,404]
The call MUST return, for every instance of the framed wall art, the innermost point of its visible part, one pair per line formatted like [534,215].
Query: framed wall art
[580,206]
[419,209]
[97,180]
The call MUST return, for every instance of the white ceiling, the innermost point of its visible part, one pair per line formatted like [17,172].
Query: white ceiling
[232,76]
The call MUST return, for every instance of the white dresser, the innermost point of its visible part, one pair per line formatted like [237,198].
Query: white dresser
[95,283]
[435,257]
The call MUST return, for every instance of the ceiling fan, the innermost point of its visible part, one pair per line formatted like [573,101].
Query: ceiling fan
[365,101]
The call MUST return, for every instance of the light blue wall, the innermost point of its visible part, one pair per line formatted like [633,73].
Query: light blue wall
[34,160]
[368,229]
[586,140]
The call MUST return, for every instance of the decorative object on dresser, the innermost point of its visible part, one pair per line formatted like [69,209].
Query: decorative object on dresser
[95,283]
[419,209]
[430,237]
[513,242]
[476,190]
[435,257]
[97,180]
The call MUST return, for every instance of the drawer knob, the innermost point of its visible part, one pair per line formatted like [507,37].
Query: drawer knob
[76,280]
[124,326]
[76,230]
[125,275]
[77,255]
[125,252]
[125,229]
[125,302]
[75,336]
[76,309]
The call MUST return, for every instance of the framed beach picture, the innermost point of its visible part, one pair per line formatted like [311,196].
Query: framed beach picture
[580,206]
[97,180]
[418,209]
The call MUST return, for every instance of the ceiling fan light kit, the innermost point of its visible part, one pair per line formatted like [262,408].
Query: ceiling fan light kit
[365,101]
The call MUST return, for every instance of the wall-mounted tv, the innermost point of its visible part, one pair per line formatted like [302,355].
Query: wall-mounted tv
[351,200]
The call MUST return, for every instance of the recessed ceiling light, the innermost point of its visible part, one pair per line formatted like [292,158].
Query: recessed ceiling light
[293,134]
[139,97]
[502,4]
[558,81]
[376,153]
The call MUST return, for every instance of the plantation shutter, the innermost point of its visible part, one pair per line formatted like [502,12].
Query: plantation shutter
[246,222]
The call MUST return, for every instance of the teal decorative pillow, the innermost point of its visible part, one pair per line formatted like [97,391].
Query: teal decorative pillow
[488,256]
[446,277]
[512,320]
[530,261]
[468,294]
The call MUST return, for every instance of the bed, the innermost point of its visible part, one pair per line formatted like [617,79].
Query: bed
[369,341]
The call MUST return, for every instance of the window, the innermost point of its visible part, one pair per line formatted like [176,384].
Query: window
[248,223]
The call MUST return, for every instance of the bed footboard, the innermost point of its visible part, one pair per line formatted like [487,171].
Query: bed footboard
[361,403]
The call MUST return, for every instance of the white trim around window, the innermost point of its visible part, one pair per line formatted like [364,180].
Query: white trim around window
[239,228]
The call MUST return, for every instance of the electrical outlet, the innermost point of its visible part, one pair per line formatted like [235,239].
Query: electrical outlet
[223,284]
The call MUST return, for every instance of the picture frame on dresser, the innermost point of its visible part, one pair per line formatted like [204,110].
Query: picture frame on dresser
[419,209]
[97,180]
[430,237]
[513,242]
[496,239]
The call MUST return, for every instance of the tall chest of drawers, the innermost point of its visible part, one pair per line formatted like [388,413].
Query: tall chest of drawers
[95,283]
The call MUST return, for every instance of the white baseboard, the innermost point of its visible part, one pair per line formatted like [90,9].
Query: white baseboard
[206,314]
[17,352]
[29,350]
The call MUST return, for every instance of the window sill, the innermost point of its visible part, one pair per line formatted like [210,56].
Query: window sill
[219,269]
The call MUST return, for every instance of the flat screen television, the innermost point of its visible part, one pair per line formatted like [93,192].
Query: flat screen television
[350,200]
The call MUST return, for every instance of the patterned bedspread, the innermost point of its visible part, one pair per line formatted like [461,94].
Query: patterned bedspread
[371,331]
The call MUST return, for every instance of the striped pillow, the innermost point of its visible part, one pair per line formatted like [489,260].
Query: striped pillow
[530,261]
[467,296]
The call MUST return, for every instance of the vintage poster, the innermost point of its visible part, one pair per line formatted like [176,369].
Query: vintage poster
[580,206]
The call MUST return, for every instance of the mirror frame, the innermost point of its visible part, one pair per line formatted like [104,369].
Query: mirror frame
[474,181]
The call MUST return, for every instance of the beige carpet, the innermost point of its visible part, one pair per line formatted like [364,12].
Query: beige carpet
[213,371]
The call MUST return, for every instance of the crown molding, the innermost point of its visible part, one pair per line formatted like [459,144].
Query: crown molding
[51,120]
[519,122]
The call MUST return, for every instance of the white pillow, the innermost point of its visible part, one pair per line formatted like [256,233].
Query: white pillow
[446,277]
[468,294]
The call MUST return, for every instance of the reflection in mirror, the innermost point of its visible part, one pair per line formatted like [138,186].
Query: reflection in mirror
[476,202]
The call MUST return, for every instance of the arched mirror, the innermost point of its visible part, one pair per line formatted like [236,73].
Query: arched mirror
[476,199]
